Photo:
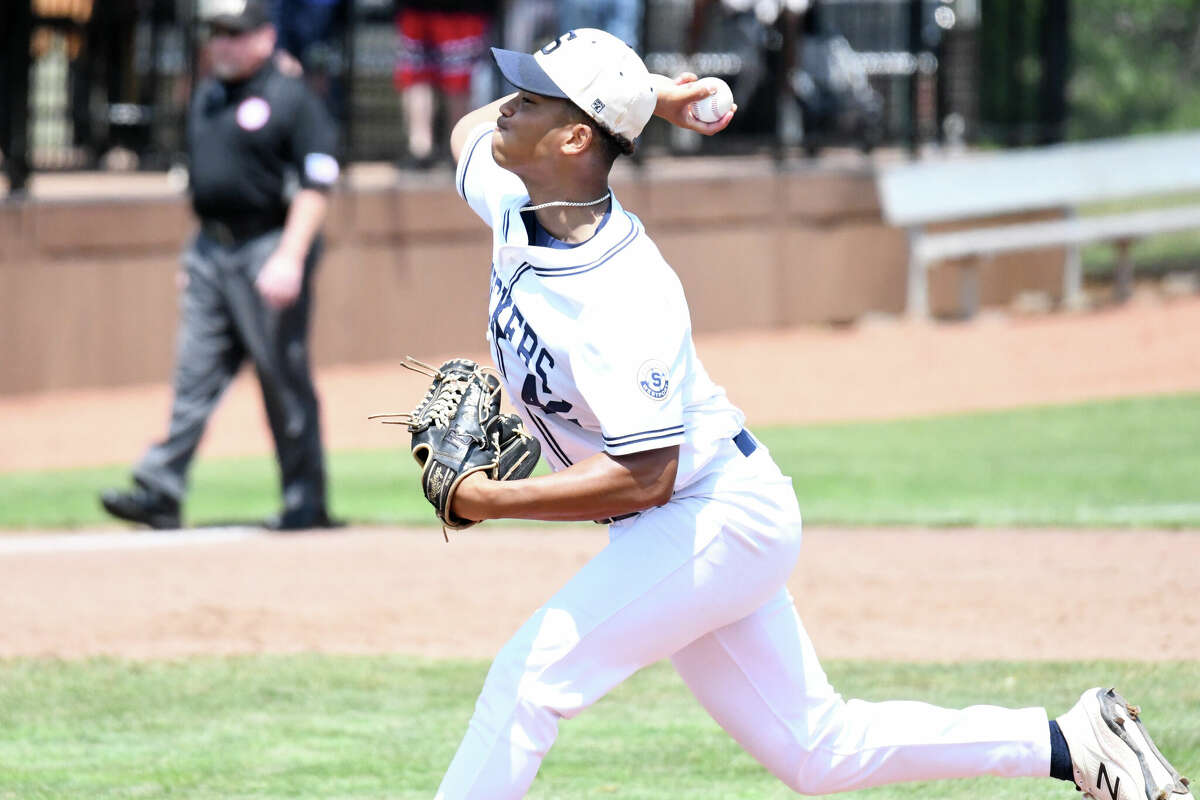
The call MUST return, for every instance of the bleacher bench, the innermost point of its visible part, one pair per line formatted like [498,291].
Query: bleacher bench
[976,188]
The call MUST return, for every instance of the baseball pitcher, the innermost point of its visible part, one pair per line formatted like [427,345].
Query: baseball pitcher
[591,338]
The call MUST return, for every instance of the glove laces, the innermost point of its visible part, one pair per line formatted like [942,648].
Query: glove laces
[448,398]
[444,396]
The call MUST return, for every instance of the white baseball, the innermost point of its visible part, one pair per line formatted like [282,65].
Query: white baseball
[712,108]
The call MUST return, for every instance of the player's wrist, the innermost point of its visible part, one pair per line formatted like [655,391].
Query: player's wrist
[292,250]
[472,498]
[663,87]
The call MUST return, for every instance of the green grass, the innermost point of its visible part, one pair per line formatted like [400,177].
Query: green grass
[366,486]
[1128,462]
[1117,463]
[1153,255]
[1156,255]
[313,726]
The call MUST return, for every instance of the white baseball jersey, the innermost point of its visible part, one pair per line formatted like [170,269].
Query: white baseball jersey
[593,342]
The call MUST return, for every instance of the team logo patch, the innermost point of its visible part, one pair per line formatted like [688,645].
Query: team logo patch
[597,105]
[654,379]
[253,113]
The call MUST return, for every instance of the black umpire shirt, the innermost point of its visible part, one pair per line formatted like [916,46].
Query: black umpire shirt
[245,138]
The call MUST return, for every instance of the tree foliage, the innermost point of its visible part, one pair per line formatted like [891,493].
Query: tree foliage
[1133,67]
[1136,67]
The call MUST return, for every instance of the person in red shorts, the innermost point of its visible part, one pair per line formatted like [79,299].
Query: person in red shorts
[440,43]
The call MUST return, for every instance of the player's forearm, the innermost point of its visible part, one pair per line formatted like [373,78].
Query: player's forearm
[595,488]
[488,113]
[304,220]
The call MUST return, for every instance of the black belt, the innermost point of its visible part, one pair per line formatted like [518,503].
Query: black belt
[230,234]
[744,441]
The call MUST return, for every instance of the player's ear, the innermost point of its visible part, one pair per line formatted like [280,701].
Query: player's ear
[579,138]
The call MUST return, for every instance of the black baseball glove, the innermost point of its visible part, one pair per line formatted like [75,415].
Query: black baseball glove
[457,430]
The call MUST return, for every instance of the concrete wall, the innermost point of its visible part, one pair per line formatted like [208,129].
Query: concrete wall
[88,298]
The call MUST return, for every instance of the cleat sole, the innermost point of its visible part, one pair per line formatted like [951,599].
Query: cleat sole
[1110,702]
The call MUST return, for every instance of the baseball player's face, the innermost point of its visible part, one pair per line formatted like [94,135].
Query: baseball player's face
[532,128]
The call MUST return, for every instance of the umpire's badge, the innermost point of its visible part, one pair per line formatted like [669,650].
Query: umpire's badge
[253,113]
[654,379]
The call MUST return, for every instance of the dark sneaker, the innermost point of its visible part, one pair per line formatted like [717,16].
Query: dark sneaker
[300,519]
[143,506]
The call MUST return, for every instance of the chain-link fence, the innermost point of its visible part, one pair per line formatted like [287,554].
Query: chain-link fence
[109,83]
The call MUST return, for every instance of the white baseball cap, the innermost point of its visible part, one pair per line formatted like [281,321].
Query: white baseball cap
[594,70]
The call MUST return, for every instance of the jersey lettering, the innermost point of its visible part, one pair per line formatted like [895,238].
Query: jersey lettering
[529,394]
[507,331]
[544,355]
[506,320]
[504,303]
[528,345]
[514,320]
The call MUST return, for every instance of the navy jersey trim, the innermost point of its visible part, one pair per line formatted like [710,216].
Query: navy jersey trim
[521,270]
[491,336]
[550,440]
[507,216]
[669,435]
[462,178]
[618,440]
[499,358]
[579,269]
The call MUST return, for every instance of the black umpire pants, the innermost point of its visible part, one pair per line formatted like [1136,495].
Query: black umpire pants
[223,322]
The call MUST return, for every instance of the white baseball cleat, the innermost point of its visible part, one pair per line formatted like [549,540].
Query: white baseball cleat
[1112,755]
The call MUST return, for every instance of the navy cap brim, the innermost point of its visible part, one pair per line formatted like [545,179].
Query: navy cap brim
[235,24]
[523,72]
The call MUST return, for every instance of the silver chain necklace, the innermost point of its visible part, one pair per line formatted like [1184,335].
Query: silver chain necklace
[573,204]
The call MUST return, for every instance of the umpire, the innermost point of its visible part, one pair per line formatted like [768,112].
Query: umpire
[261,158]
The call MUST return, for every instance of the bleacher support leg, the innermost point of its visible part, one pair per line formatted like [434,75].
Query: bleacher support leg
[968,287]
[1072,293]
[916,304]
[1123,285]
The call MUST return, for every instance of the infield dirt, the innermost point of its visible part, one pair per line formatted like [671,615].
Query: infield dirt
[882,594]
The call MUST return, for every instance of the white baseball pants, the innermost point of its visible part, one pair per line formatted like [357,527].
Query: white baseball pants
[701,580]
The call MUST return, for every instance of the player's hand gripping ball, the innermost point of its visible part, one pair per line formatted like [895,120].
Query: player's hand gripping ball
[716,105]
[457,430]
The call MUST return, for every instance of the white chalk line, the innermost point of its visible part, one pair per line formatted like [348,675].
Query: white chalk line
[132,540]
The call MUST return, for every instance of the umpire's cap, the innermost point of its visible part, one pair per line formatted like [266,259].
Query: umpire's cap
[234,15]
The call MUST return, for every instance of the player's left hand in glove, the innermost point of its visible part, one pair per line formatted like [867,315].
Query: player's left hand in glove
[457,430]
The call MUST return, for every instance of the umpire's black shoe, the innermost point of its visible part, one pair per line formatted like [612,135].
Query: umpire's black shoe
[301,519]
[142,505]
